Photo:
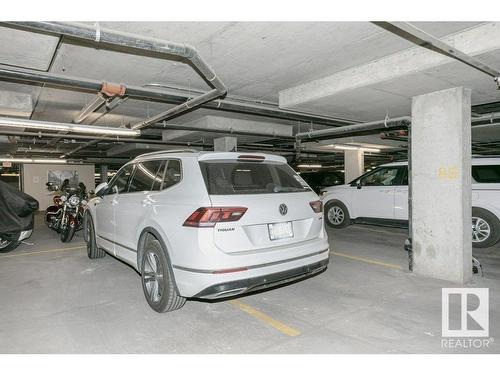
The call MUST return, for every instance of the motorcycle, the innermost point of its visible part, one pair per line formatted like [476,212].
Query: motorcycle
[16,221]
[66,215]
[53,213]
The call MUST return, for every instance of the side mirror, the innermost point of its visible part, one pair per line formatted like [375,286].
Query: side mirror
[100,190]
[358,184]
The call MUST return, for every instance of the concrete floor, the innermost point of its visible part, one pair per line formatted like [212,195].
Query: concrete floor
[55,300]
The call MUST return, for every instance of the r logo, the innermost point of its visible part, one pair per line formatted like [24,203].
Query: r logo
[478,315]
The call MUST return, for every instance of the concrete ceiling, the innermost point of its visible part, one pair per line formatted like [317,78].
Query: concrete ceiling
[256,60]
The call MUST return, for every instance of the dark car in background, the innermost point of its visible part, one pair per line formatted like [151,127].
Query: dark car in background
[318,180]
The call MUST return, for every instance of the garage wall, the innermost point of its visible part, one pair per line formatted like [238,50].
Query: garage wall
[34,178]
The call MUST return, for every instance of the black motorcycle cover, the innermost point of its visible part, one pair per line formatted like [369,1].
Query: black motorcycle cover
[16,209]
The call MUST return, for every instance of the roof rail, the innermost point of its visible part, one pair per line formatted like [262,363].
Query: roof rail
[167,152]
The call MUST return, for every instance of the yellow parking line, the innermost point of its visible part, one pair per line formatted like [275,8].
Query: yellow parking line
[366,260]
[42,252]
[283,328]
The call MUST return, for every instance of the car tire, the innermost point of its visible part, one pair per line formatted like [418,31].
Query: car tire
[485,228]
[93,251]
[336,215]
[6,245]
[157,278]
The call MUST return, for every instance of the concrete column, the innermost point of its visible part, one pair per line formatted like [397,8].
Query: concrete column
[441,185]
[354,164]
[226,144]
[104,173]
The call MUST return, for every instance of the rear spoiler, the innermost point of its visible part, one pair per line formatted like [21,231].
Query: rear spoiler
[246,156]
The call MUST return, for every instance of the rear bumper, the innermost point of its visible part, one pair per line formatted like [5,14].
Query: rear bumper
[219,269]
[236,287]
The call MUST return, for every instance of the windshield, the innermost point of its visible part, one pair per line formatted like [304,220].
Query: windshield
[225,177]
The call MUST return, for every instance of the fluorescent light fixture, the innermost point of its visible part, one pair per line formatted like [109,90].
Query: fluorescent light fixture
[347,147]
[32,161]
[309,166]
[342,147]
[68,128]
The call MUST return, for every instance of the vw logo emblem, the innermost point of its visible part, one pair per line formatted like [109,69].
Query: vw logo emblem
[283,209]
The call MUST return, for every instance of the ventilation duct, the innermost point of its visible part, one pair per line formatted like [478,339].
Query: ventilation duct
[137,44]
[15,104]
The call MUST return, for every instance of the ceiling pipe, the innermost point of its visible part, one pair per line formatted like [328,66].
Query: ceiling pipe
[192,129]
[364,128]
[81,147]
[170,96]
[89,137]
[111,105]
[137,44]
[63,127]
[108,92]
[90,108]
[106,95]
[229,131]
[419,37]
[126,140]
[489,119]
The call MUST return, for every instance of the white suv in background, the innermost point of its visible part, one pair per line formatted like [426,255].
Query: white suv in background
[208,225]
[381,195]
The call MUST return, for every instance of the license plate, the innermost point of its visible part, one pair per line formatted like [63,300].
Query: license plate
[278,231]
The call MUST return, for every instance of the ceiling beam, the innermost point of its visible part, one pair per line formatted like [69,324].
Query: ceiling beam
[415,35]
[474,41]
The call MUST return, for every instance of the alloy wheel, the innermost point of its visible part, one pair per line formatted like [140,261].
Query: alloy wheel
[153,276]
[480,230]
[336,215]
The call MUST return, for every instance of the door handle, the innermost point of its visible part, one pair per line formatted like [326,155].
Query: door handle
[146,202]
[114,202]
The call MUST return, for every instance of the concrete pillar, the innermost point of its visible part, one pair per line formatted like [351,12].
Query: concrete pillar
[226,144]
[441,185]
[104,173]
[354,164]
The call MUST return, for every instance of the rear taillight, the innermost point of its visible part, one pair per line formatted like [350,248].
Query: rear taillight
[317,206]
[205,217]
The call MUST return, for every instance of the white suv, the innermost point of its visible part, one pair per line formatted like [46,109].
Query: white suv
[208,225]
[381,195]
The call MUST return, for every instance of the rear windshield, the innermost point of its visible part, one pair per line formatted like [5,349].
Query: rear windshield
[225,177]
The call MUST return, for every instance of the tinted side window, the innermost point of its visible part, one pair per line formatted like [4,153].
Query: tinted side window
[173,173]
[311,178]
[486,174]
[121,180]
[381,177]
[404,182]
[144,176]
[331,179]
